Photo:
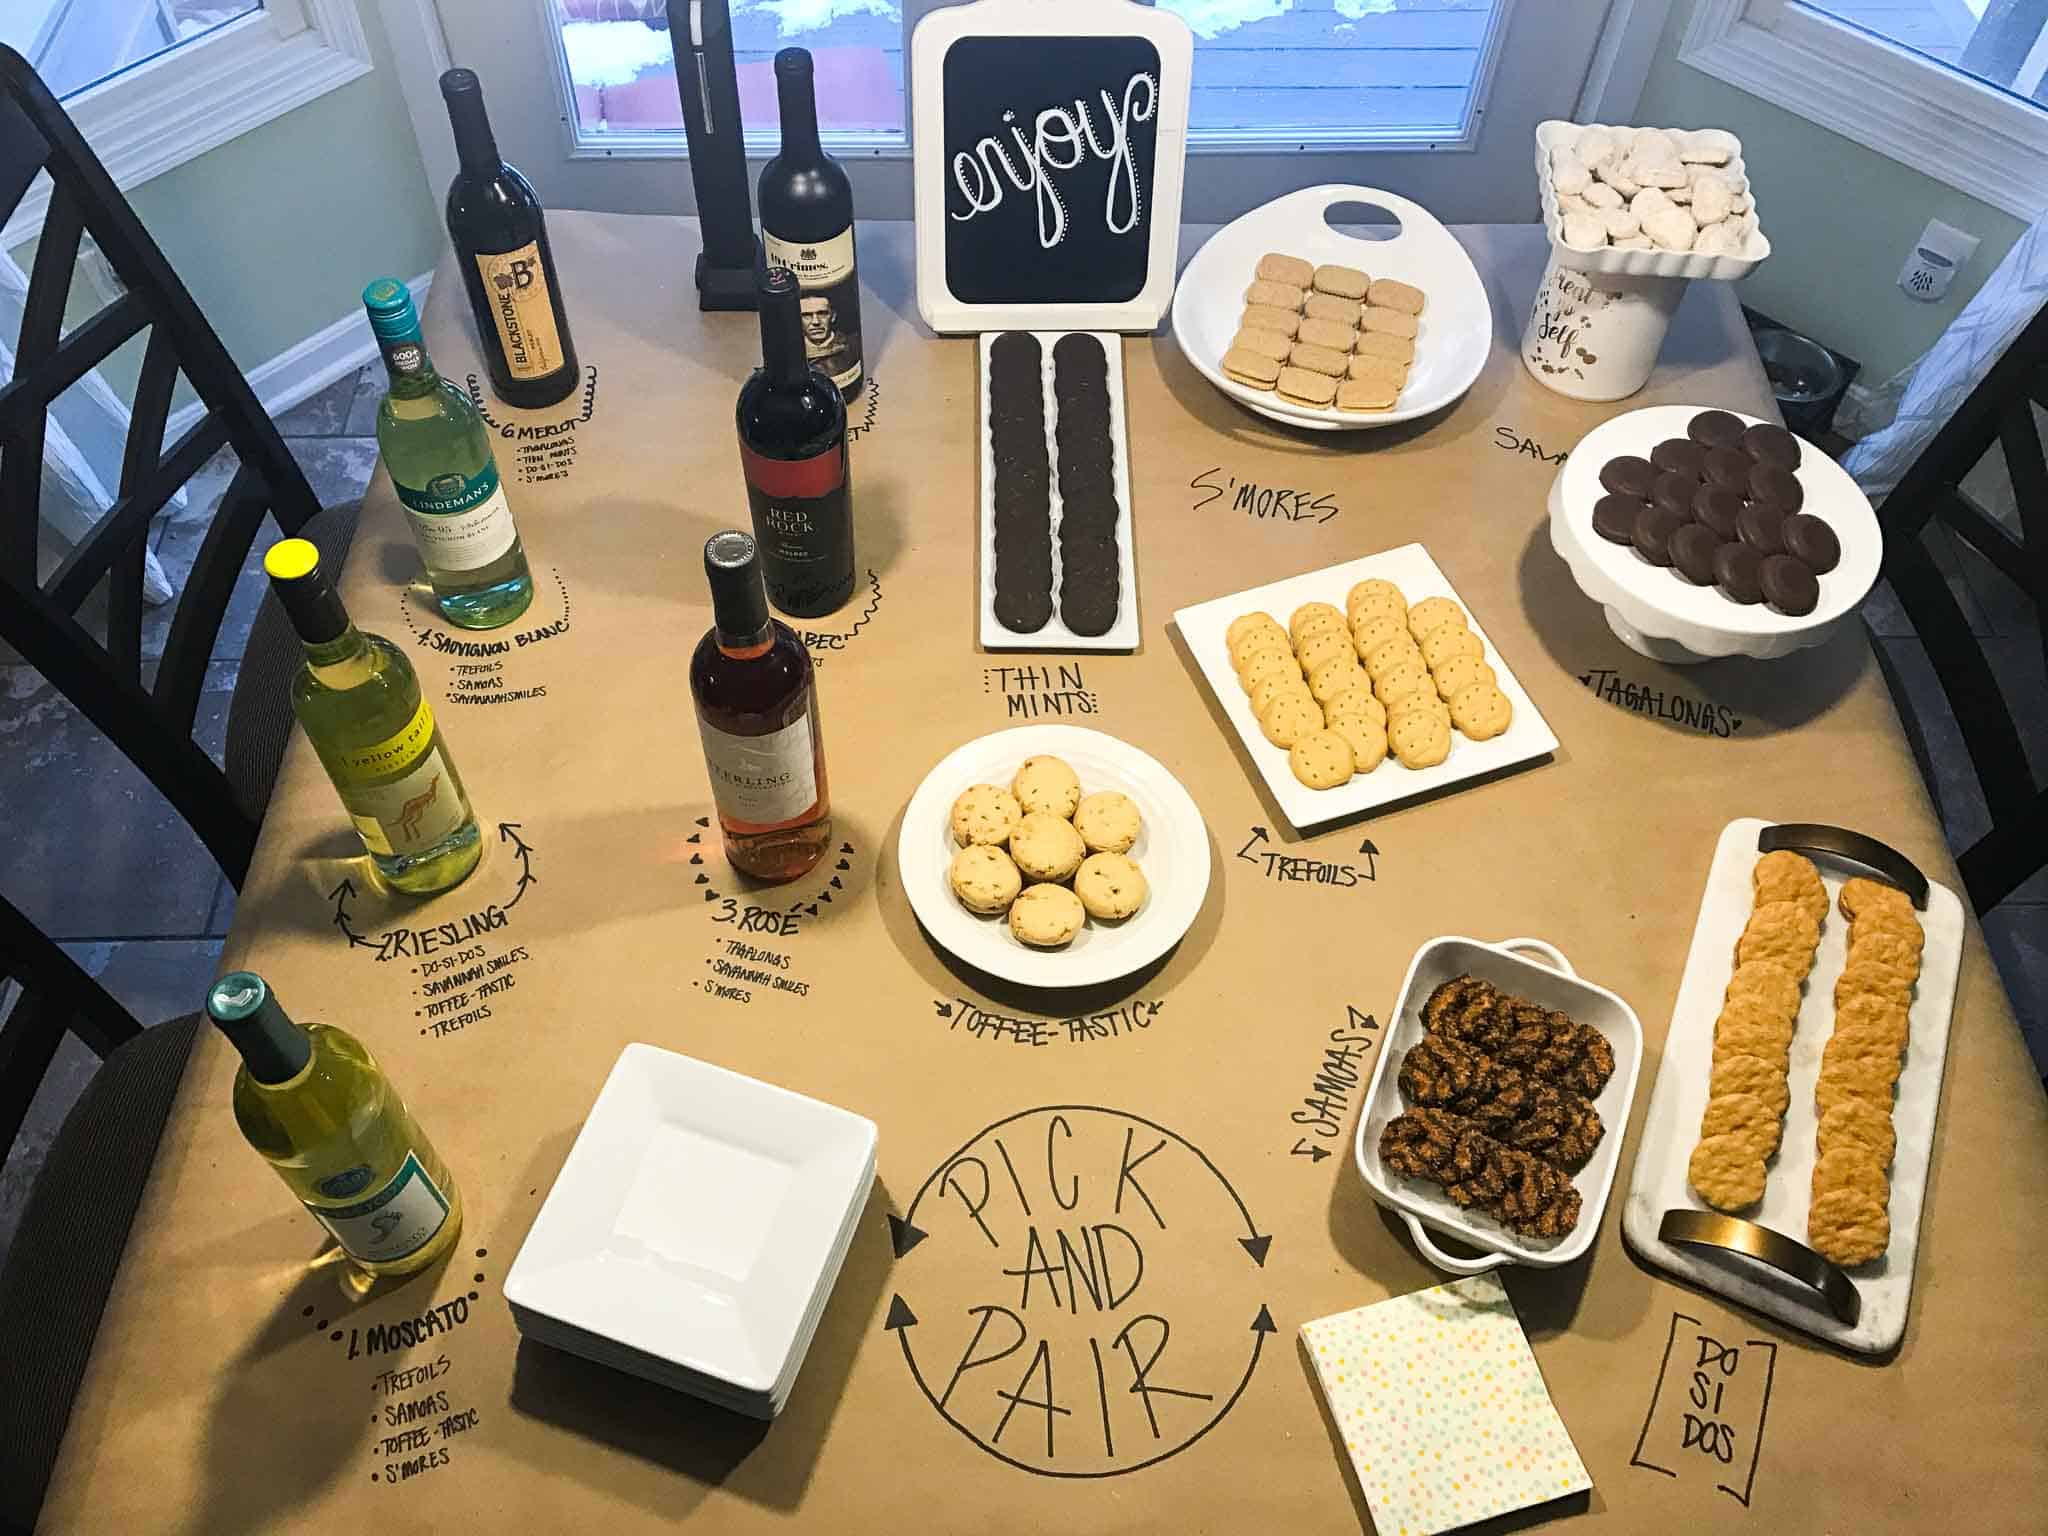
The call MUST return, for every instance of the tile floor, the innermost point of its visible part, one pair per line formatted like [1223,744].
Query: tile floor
[108,869]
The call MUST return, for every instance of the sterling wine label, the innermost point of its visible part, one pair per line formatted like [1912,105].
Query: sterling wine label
[830,305]
[762,779]
[399,1219]
[460,522]
[522,309]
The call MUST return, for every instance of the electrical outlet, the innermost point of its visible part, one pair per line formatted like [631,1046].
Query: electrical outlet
[1940,252]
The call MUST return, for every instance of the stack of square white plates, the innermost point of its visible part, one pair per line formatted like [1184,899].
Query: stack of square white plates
[696,1230]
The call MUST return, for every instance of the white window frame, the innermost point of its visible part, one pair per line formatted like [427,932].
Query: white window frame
[197,96]
[1916,110]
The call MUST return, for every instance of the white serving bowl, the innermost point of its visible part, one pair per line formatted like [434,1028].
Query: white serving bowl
[1643,263]
[1660,614]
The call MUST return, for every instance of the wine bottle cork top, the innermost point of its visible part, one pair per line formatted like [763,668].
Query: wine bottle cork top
[291,560]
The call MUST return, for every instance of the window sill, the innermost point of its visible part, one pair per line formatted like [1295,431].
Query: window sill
[1944,124]
[176,107]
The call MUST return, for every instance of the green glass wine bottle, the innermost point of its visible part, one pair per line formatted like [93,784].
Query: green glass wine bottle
[313,1101]
[439,453]
[361,705]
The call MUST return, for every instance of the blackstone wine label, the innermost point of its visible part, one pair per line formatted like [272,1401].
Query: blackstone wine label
[522,309]
[830,302]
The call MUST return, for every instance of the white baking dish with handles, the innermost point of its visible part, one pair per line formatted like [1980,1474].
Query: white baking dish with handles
[1529,968]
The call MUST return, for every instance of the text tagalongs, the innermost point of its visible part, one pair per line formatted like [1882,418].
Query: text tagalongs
[1701,715]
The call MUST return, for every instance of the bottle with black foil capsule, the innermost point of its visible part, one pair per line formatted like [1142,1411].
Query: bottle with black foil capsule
[792,426]
[807,227]
[757,711]
[500,236]
[313,1101]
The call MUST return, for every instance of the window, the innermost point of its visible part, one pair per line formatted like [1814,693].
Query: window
[1952,88]
[74,44]
[154,83]
[1267,72]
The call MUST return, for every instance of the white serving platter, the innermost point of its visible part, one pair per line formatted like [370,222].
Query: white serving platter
[1671,1129]
[1549,980]
[1055,636]
[1652,263]
[697,1221]
[1172,850]
[1410,568]
[1451,344]
[1659,613]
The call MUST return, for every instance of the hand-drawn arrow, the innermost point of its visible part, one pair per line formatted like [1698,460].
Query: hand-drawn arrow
[1372,856]
[341,896]
[508,831]
[1303,1147]
[903,1236]
[1258,836]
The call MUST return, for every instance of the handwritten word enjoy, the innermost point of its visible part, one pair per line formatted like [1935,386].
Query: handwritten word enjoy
[1058,142]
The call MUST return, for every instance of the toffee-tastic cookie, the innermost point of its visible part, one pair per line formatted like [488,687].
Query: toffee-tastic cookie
[1108,821]
[1047,847]
[983,813]
[1111,886]
[1047,785]
[1047,916]
[984,878]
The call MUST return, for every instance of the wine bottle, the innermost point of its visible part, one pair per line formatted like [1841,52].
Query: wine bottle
[314,1103]
[757,710]
[807,227]
[439,453]
[792,426]
[360,703]
[500,237]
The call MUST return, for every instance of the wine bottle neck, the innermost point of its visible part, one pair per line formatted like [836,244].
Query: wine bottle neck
[475,145]
[274,1049]
[739,598]
[797,102]
[339,663]
[782,341]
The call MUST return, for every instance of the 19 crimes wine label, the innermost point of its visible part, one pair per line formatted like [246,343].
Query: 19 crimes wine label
[762,779]
[522,310]
[803,528]
[830,302]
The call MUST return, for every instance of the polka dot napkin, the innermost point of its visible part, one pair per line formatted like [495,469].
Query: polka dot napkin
[1442,1408]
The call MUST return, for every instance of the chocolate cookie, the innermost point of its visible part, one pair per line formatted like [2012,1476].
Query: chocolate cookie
[1780,487]
[1693,549]
[1729,467]
[1681,454]
[1614,517]
[1653,530]
[1789,586]
[1813,542]
[1738,573]
[1715,429]
[1717,507]
[1629,476]
[1761,526]
[1771,445]
[1674,492]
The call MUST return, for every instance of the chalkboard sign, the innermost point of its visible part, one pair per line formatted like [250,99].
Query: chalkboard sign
[1050,138]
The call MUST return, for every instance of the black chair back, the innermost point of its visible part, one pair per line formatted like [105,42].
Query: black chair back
[2000,411]
[55,997]
[150,721]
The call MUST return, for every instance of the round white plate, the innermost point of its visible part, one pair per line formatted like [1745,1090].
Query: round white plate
[1173,851]
[1662,614]
[1451,345]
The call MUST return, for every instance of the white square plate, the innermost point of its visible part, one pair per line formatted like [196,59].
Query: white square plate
[1409,568]
[1055,636]
[697,1217]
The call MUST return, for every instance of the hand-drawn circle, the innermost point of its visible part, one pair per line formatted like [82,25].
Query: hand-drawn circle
[1247,1245]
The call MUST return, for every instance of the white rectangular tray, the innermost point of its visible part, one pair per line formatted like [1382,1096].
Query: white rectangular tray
[1671,1129]
[1527,968]
[1055,636]
[1409,568]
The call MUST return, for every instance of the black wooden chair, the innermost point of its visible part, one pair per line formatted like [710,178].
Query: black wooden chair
[62,1262]
[2000,411]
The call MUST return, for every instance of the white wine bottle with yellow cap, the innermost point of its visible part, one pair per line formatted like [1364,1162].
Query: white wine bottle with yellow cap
[313,1101]
[361,705]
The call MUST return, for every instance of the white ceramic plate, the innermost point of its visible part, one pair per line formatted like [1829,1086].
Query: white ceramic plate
[1660,613]
[1055,636]
[1671,1129]
[697,1219]
[1451,345]
[1653,263]
[1409,568]
[1172,850]
[1549,980]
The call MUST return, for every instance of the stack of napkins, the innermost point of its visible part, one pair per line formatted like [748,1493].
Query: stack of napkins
[1442,1408]
[696,1230]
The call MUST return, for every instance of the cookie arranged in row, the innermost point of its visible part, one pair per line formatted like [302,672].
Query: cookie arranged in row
[1849,1218]
[1045,855]
[1518,1189]
[1342,690]
[1325,335]
[1743,1123]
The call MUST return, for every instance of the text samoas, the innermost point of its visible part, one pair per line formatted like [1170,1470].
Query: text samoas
[1058,140]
